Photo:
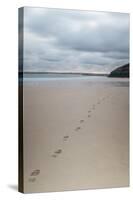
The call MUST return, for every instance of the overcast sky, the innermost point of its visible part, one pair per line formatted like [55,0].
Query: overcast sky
[78,41]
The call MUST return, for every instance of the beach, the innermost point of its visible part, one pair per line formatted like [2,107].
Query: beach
[76,135]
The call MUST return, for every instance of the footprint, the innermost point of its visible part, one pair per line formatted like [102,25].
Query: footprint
[66,137]
[81,121]
[54,156]
[32,180]
[89,111]
[78,128]
[89,116]
[35,172]
[58,151]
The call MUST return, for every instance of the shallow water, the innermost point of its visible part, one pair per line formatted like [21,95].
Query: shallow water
[52,79]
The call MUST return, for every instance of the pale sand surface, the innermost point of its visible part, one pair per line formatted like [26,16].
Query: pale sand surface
[93,153]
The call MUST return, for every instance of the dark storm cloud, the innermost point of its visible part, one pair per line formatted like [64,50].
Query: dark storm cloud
[66,40]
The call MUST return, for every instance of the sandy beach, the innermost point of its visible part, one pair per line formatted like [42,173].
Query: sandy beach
[76,136]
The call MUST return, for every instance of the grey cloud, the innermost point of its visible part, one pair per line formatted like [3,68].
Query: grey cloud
[74,40]
[118,55]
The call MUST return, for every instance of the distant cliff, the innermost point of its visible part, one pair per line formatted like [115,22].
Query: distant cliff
[122,71]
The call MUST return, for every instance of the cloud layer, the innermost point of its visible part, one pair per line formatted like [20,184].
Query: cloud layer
[78,41]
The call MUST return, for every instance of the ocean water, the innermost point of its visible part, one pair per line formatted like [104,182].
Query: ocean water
[60,80]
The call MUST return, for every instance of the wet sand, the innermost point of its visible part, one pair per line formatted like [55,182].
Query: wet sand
[75,137]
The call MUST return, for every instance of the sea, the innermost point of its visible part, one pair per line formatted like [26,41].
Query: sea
[68,79]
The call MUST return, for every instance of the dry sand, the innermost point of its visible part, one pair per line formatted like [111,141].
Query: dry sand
[75,137]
